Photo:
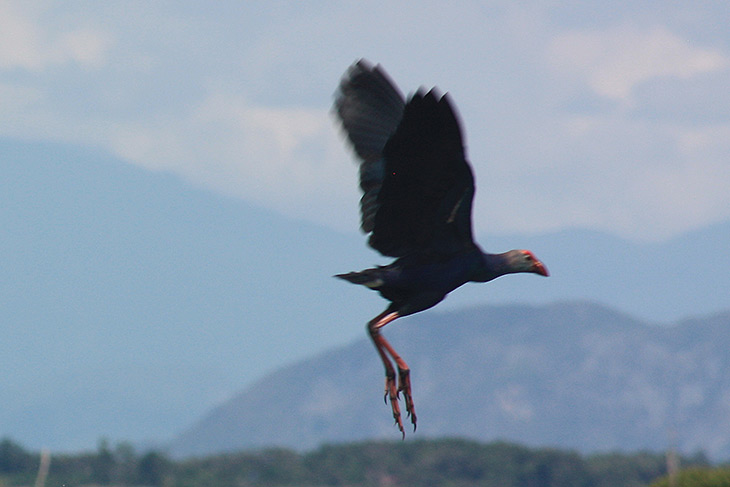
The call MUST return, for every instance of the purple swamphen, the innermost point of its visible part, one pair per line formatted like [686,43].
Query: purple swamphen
[416,205]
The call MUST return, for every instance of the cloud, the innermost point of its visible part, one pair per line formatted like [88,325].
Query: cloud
[289,159]
[614,61]
[85,47]
[559,121]
[19,39]
[25,44]
[641,178]
[634,167]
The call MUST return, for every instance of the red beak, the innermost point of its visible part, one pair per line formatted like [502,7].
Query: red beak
[539,268]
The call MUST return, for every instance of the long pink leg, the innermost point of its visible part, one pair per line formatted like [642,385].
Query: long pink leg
[391,390]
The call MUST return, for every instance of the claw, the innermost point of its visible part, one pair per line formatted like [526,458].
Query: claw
[389,384]
[391,393]
[405,386]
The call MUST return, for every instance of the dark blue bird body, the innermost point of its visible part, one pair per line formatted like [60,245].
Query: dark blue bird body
[417,282]
[418,190]
[414,283]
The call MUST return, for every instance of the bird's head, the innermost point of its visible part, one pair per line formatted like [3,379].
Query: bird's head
[525,261]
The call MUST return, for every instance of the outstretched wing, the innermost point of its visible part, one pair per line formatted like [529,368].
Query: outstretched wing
[370,108]
[417,185]
[424,203]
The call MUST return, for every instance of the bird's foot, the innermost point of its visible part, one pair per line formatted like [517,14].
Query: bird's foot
[391,393]
[404,386]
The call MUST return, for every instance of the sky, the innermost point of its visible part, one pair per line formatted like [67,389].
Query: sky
[612,117]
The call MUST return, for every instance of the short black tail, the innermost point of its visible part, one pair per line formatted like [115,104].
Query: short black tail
[369,277]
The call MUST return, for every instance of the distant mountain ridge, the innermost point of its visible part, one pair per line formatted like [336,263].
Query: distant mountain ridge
[573,375]
[143,301]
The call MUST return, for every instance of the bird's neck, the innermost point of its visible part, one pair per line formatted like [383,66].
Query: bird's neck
[494,265]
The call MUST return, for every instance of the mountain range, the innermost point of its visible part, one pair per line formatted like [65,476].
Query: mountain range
[572,375]
[131,302]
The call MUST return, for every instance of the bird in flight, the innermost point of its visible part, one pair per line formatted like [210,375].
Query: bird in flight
[416,205]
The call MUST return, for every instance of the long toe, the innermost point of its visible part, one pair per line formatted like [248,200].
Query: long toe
[391,393]
[404,386]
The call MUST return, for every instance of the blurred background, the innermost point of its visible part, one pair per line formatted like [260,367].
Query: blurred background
[175,197]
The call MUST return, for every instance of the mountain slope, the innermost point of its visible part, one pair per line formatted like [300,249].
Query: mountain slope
[570,375]
[131,302]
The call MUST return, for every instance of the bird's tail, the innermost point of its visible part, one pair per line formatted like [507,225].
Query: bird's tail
[369,277]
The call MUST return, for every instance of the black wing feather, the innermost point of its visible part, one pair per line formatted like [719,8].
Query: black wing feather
[424,203]
[370,108]
[417,185]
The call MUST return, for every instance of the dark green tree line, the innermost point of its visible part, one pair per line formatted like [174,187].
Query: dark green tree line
[438,463]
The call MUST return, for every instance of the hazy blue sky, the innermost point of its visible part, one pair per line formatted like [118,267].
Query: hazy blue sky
[611,115]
